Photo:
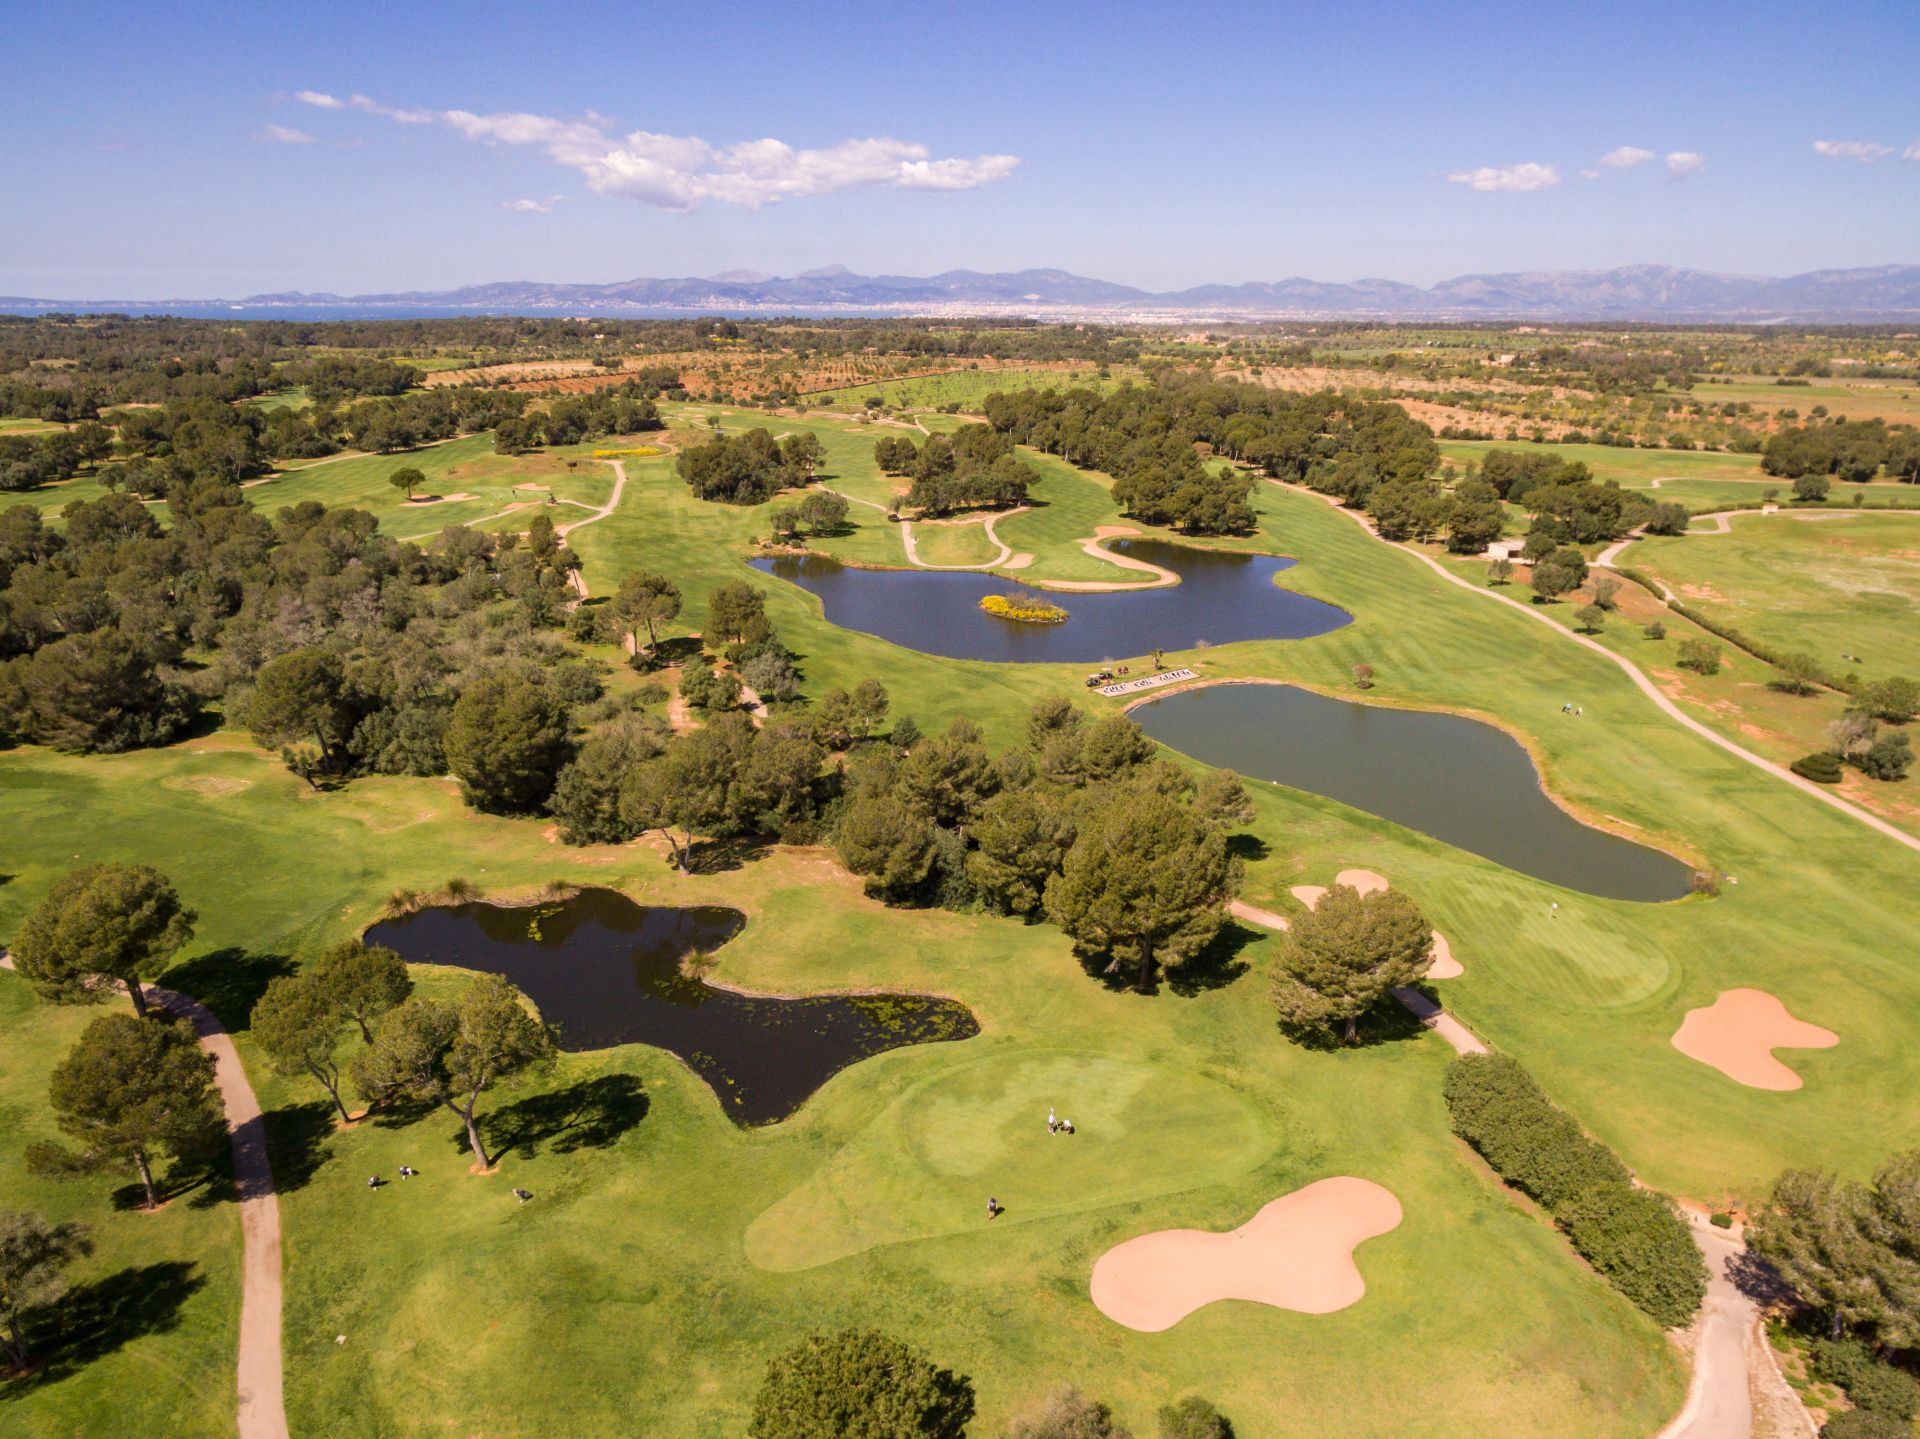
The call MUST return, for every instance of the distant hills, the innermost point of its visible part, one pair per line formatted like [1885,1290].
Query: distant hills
[1632,292]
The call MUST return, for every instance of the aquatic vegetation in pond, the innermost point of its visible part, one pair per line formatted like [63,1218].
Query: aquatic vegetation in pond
[604,971]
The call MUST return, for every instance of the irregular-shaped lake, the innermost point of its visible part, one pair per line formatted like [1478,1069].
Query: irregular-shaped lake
[1221,597]
[606,971]
[1457,779]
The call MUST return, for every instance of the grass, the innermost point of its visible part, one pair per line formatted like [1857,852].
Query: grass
[642,1257]
[1834,587]
[143,1343]
[1892,400]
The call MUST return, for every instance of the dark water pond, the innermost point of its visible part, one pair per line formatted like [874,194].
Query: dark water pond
[1454,778]
[606,971]
[1221,598]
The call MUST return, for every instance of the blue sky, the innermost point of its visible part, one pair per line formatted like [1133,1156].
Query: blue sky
[157,152]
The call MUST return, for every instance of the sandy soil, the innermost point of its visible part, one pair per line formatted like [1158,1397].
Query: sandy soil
[1444,965]
[1296,1253]
[1738,1033]
[420,502]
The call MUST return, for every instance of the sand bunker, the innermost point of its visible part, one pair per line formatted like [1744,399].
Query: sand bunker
[1444,965]
[1018,562]
[1738,1033]
[1364,880]
[1296,1253]
[1309,894]
[421,500]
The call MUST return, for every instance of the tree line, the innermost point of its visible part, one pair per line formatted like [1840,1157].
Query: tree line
[1853,451]
[974,468]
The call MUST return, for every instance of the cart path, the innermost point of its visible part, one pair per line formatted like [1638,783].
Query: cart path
[262,1411]
[1640,679]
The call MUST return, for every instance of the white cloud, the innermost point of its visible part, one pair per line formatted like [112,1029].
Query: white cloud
[1685,162]
[404,117]
[1626,157]
[1517,178]
[680,172]
[532,207]
[319,99]
[282,135]
[1589,174]
[1864,151]
[1912,152]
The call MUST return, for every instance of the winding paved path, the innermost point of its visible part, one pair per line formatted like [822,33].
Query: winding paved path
[1640,679]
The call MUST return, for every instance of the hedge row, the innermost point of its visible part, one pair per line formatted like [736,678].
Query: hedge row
[1633,1237]
[1761,651]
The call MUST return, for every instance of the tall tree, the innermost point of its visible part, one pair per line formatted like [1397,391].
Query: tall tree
[506,740]
[452,1053]
[119,922]
[1810,1231]
[363,981]
[33,1256]
[686,791]
[860,1384]
[645,602]
[1344,955]
[301,695]
[130,1090]
[299,1026]
[1147,882]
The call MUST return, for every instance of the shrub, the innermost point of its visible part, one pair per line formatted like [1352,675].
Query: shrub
[859,1382]
[1720,1219]
[1498,1109]
[1699,656]
[1030,611]
[1633,1237]
[1193,1418]
[1862,1424]
[1640,1244]
[1067,1414]
[1871,1384]
[1655,631]
[1822,767]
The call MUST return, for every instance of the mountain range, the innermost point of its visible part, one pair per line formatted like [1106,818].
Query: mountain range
[1633,292]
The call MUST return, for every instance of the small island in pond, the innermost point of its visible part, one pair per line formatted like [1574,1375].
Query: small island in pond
[1026,609]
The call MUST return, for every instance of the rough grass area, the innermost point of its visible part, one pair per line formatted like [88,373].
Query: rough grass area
[1833,587]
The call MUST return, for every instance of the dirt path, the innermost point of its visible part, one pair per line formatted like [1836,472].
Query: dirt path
[262,1412]
[612,504]
[1642,682]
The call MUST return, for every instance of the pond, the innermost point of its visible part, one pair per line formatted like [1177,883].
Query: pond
[606,971]
[1457,779]
[1221,597]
